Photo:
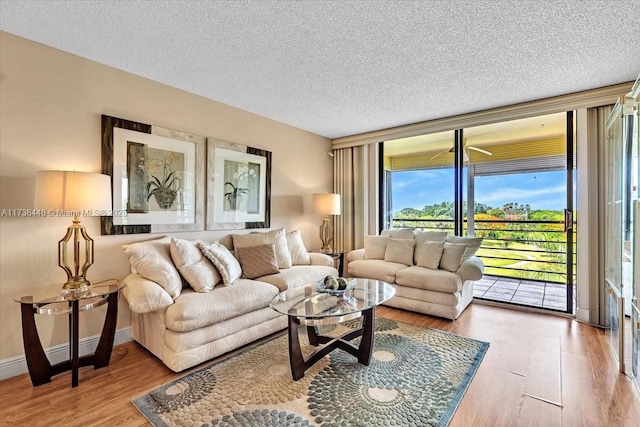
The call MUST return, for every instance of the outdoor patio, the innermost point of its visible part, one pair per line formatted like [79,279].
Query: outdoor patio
[547,295]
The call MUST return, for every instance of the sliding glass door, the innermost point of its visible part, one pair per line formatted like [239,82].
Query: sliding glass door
[510,183]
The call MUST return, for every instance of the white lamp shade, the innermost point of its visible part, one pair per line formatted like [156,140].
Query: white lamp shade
[89,193]
[326,203]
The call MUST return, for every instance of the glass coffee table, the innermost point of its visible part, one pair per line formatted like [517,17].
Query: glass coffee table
[309,307]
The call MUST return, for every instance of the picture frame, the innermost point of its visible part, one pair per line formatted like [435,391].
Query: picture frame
[158,178]
[238,186]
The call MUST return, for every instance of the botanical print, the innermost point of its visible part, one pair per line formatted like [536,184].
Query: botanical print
[166,175]
[242,185]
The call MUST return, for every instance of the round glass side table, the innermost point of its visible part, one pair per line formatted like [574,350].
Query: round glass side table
[47,302]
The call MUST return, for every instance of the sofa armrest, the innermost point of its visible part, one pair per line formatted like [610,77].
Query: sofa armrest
[471,269]
[355,255]
[320,259]
[145,296]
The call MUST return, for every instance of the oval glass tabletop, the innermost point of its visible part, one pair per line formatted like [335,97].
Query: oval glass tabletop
[306,302]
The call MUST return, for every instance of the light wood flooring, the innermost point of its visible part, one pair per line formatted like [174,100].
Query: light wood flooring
[540,370]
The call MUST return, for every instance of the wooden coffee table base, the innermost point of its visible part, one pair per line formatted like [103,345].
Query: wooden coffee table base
[363,352]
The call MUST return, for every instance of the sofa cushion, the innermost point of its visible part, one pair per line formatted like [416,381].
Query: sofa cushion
[298,275]
[375,246]
[193,310]
[399,233]
[194,267]
[297,250]
[433,236]
[473,242]
[375,269]
[257,261]
[433,280]
[223,259]
[400,251]
[452,256]
[428,254]
[152,260]
[277,237]
[143,295]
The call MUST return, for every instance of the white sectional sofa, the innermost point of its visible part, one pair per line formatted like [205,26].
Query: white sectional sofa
[187,309]
[433,273]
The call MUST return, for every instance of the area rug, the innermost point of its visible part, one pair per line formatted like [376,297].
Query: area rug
[417,377]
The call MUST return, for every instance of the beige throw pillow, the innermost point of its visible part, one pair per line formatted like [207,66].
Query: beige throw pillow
[225,262]
[473,242]
[399,233]
[433,236]
[428,254]
[297,250]
[400,251]
[452,256]
[375,246]
[277,237]
[152,260]
[258,261]
[196,269]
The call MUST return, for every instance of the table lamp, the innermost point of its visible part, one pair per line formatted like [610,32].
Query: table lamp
[326,204]
[74,194]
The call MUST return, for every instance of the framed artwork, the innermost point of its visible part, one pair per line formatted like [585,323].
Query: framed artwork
[157,178]
[238,186]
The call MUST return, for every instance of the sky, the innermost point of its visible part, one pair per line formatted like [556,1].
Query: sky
[541,190]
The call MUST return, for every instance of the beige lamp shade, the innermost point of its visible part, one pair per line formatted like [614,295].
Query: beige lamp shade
[326,203]
[84,192]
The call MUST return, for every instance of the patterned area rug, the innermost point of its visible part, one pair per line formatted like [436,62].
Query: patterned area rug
[417,377]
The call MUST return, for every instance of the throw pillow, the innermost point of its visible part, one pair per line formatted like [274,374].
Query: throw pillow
[152,260]
[225,262]
[452,256]
[428,254]
[400,251]
[197,270]
[433,236]
[375,246]
[473,242]
[277,237]
[297,250]
[399,233]
[258,261]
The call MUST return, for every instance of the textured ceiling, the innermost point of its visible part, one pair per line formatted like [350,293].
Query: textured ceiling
[338,68]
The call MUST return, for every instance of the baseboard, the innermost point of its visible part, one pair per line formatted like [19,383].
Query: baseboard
[59,353]
[583,315]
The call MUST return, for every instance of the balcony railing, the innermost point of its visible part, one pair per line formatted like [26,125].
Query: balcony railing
[524,249]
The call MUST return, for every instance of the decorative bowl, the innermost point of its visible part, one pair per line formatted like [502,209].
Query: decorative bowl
[320,287]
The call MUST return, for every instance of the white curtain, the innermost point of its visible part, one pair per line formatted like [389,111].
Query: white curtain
[354,179]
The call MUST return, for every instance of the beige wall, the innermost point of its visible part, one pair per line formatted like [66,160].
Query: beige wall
[50,109]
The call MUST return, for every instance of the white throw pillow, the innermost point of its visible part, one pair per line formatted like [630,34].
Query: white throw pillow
[452,256]
[473,242]
[223,259]
[428,254]
[375,246]
[297,250]
[277,237]
[196,269]
[399,233]
[433,236]
[400,251]
[152,260]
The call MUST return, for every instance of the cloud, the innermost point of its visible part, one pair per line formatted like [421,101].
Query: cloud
[500,196]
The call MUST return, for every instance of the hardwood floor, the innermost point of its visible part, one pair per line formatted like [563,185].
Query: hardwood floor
[540,370]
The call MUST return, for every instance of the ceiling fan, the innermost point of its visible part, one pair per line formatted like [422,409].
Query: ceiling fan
[465,151]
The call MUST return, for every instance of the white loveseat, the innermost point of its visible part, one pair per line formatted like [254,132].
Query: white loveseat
[183,311]
[433,273]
